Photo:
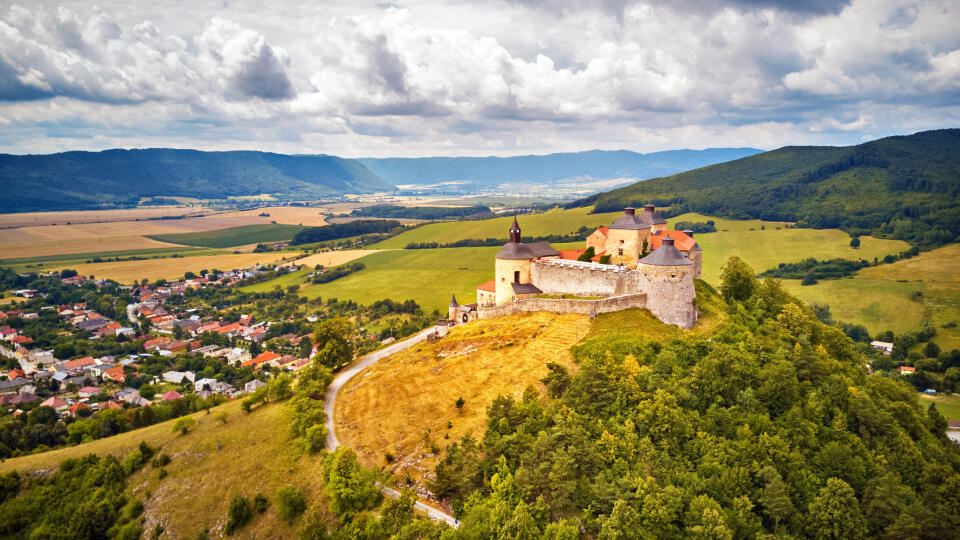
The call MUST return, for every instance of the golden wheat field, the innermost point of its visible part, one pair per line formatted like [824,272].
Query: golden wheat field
[478,362]
[334,258]
[154,269]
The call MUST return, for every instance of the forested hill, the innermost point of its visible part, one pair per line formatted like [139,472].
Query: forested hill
[905,187]
[82,180]
[597,164]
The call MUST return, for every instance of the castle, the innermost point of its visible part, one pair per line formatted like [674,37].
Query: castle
[636,263]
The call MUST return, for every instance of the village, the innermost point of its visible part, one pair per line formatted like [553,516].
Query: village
[162,336]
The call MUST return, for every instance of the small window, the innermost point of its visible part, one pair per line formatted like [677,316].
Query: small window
[516,276]
[620,252]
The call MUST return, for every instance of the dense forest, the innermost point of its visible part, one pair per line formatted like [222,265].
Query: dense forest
[899,187]
[337,231]
[118,178]
[770,426]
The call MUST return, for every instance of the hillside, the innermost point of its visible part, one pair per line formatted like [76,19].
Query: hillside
[905,187]
[82,180]
[596,164]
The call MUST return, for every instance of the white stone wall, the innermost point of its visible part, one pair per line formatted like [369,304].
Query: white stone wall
[557,276]
[563,305]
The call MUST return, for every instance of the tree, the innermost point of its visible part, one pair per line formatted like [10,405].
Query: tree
[290,503]
[774,499]
[334,341]
[557,379]
[855,242]
[588,254]
[349,486]
[835,513]
[255,348]
[147,391]
[737,281]
[931,350]
[459,404]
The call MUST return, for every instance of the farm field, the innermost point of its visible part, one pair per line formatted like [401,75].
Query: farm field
[172,268]
[196,493]
[50,261]
[555,221]
[33,219]
[78,247]
[234,236]
[882,297]
[948,405]
[764,249]
[328,259]
[477,362]
[428,276]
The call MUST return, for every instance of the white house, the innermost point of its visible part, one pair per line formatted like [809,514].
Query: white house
[199,384]
[177,377]
[884,346]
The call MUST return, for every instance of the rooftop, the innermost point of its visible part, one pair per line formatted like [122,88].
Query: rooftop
[665,255]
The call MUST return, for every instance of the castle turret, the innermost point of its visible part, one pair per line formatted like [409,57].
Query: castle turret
[512,265]
[452,308]
[695,255]
[667,278]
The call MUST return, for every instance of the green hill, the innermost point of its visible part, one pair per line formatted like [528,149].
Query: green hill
[905,187]
[112,178]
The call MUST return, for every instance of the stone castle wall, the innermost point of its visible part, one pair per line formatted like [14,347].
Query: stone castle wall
[557,276]
[563,305]
[671,295]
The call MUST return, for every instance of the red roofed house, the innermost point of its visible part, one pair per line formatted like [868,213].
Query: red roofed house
[171,395]
[55,403]
[80,363]
[598,240]
[265,357]
[151,343]
[15,373]
[487,293]
[22,340]
[110,405]
[76,408]
[906,370]
[88,391]
[115,374]
[229,329]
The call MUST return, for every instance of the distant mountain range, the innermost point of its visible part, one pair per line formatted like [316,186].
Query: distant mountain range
[116,178]
[905,187]
[547,169]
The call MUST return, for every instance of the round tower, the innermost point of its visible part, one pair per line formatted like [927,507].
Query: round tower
[452,308]
[667,278]
[512,265]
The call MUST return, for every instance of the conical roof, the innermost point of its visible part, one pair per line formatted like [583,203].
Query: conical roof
[665,255]
[453,301]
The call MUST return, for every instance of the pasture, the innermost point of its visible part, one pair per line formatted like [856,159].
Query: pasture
[328,259]
[883,297]
[232,237]
[173,268]
[948,405]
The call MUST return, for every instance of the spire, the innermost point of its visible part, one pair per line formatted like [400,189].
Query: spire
[515,232]
[453,301]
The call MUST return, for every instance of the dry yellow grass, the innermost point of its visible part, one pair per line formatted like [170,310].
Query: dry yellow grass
[153,269]
[78,245]
[334,258]
[391,405]
[255,455]
[288,215]
[31,219]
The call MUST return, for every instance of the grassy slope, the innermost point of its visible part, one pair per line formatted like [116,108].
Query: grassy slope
[233,236]
[553,222]
[153,269]
[257,456]
[477,362]
[880,297]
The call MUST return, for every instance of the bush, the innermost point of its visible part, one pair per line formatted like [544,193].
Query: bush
[260,503]
[239,514]
[221,417]
[161,460]
[290,503]
[183,424]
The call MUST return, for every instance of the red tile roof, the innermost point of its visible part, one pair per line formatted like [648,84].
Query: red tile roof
[173,394]
[680,240]
[262,358]
[80,362]
[489,286]
[115,374]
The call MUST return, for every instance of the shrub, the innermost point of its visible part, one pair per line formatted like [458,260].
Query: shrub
[290,503]
[161,460]
[183,424]
[239,514]
[221,417]
[162,474]
[260,503]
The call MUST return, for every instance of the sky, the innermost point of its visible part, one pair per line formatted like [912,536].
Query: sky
[426,78]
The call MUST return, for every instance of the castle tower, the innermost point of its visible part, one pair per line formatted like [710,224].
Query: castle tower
[512,267]
[452,308]
[667,278]
[627,235]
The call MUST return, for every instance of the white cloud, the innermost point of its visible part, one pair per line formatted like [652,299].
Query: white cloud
[365,80]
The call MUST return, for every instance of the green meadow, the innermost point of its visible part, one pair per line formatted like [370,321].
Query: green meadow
[233,236]
[555,221]
[884,297]
[50,261]
[949,406]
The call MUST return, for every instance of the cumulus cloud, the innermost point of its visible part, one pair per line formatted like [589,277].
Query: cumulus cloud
[434,77]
